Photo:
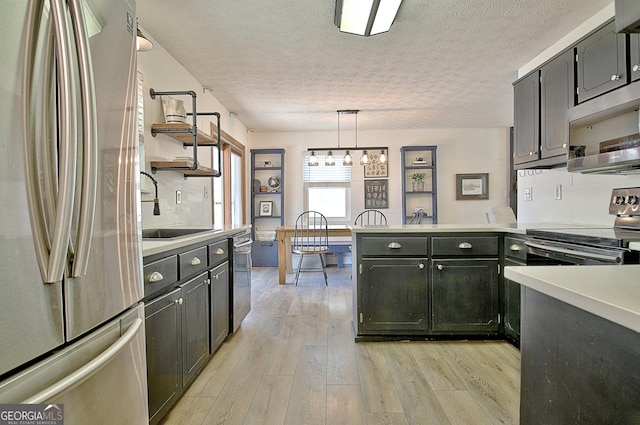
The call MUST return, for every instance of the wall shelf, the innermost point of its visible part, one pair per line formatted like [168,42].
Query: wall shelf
[188,135]
[419,159]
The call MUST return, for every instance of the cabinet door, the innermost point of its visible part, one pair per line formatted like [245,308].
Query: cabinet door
[163,323]
[526,94]
[393,296]
[512,305]
[464,295]
[195,326]
[557,95]
[219,306]
[601,63]
[635,57]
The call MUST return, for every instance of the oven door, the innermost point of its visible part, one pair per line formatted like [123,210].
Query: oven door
[540,250]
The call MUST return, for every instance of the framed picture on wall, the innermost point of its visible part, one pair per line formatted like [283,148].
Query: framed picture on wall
[472,186]
[374,168]
[376,194]
[266,208]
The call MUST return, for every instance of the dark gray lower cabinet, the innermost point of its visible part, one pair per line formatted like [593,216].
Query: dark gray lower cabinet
[464,295]
[219,305]
[393,296]
[195,329]
[163,327]
[511,298]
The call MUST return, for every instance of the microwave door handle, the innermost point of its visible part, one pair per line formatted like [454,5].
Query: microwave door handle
[67,130]
[85,372]
[89,142]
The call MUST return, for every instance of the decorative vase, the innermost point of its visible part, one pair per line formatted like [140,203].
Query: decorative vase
[418,186]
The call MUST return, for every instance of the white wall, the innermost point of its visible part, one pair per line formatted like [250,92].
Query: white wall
[460,151]
[163,73]
[585,198]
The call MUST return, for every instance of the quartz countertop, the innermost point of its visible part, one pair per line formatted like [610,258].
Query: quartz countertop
[156,246]
[515,228]
[611,292]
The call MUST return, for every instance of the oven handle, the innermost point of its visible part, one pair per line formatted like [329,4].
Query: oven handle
[613,259]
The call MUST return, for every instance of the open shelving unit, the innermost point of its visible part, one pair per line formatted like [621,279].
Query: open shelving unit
[189,136]
[266,164]
[419,159]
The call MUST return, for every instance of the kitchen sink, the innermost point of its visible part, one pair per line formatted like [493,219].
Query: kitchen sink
[169,233]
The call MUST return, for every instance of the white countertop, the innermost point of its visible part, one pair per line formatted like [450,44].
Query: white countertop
[517,228]
[611,292]
[156,246]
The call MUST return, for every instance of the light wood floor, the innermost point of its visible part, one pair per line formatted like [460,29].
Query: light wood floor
[294,361]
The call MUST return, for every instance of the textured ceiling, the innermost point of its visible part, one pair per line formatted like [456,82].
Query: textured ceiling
[282,65]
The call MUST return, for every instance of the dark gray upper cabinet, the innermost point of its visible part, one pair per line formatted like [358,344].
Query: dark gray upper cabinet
[526,118]
[557,82]
[635,56]
[602,64]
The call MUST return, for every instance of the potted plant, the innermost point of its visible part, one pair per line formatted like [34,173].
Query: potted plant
[418,183]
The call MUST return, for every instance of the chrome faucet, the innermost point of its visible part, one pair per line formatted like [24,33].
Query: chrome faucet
[156,205]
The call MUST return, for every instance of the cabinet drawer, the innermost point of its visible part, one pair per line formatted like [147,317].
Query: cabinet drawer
[390,246]
[515,248]
[465,245]
[218,252]
[192,262]
[160,274]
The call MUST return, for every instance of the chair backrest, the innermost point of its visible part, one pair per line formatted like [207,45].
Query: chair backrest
[311,232]
[500,215]
[371,217]
[417,217]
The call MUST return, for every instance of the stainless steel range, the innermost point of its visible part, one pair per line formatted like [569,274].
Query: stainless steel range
[592,245]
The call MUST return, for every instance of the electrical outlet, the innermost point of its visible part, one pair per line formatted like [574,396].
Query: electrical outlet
[178,197]
[558,192]
[527,194]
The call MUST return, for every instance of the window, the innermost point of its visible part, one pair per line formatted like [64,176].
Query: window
[327,189]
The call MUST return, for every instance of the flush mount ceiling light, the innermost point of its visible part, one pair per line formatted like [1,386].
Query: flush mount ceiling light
[143,44]
[365,17]
[365,158]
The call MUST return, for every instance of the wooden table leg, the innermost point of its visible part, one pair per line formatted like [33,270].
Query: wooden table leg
[282,260]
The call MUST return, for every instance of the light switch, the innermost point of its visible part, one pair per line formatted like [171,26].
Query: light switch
[527,194]
[178,197]
[558,192]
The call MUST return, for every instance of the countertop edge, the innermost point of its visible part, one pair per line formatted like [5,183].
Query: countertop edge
[610,292]
[152,247]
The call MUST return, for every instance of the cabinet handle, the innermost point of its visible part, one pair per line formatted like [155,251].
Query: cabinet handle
[515,247]
[421,266]
[440,267]
[465,245]
[615,77]
[195,261]
[394,245]
[636,68]
[216,277]
[179,301]
[219,251]
[155,277]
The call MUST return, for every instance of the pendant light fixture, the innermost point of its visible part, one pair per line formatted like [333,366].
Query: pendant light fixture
[365,157]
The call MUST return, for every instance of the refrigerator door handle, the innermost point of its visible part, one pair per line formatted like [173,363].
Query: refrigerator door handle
[67,145]
[88,370]
[90,141]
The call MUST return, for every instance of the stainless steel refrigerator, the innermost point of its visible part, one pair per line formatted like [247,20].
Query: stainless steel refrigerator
[71,317]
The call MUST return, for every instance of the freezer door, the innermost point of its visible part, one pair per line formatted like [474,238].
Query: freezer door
[113,280]
[101,379]
[30,311]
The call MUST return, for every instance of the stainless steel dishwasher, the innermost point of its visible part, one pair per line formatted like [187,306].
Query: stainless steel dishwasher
[240,286]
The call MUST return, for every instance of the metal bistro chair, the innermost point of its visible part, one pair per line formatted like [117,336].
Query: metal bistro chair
[311,236]
[417,217]
[371,217]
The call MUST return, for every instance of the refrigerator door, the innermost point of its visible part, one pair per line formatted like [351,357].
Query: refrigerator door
[100,379]
[113,279]
[31,312]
